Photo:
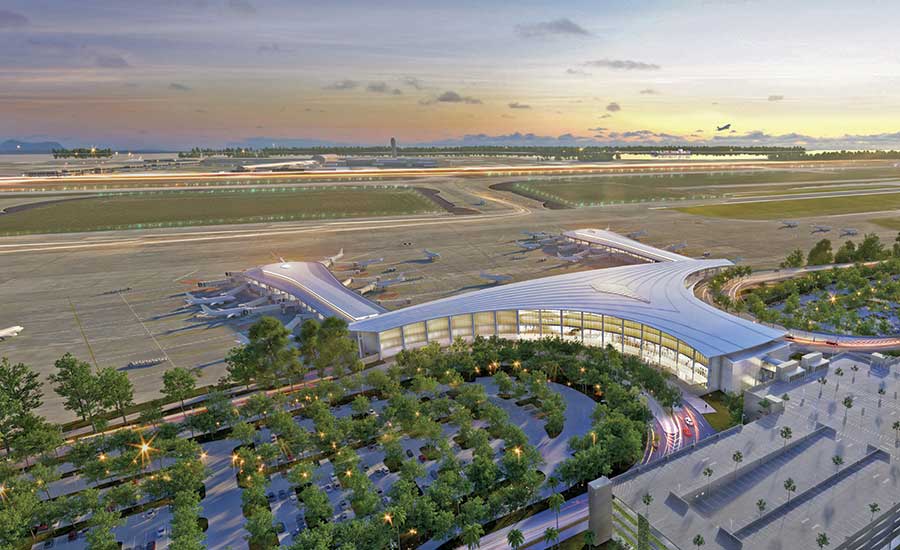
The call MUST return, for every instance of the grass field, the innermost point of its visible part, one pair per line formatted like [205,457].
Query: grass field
[721,419]
[601,190]
[798,208]
[178,208]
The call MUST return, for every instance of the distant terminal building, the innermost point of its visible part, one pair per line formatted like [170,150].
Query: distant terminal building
[648,310]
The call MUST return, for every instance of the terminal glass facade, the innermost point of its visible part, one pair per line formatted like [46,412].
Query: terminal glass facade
[653,346]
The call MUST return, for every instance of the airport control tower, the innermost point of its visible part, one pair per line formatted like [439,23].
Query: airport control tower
[393,148]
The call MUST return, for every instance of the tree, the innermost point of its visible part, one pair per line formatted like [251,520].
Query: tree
[260,531]
[794,259]
[336,349]
[874,508]
[79,388]
[761,506]
[551,535]
[790,487]
[151,415]
[309,341]
[318,507]
[240,363]
[102,522]
[737,458]
[820,254]
[20,393]
[555,503]
[179,384]
[708,472]
[848,404]
[837,460]
[822,540]
[699,541]
[269,342]
[786,434]
[116,390]
[896,427]
[515,538]
[647,499]
[186,531]
[471,535]
[590,539]
[846,253]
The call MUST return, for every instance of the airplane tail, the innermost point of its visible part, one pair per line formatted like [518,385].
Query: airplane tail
[205,309]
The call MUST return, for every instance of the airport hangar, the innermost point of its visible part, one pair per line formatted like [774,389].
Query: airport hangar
[647,309]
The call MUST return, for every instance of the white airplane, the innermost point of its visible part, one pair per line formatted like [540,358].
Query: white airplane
[849,232]
[821,229]
[229,296]
[496,279]
[331,260]
[228,313]
[390,282]
[788,224]
[363,264]
[574,257]
[10,332]
[529,245]
[431,256]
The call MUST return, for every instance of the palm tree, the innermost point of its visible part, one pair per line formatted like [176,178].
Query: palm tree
[761,506]
[555,502]
[786,434]
[848,404]
[708,472]
[471,536]
[551,534]
[699,541]
[874,508]
[854,368]
[790,487]
[896,426]
[822,381]
[515,538]
[647,499]
[737,457]
[822,540]
[837,460]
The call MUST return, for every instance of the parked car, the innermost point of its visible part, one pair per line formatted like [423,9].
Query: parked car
[270,497]
[282,494]
[688,420]
[161,532]
[687,432]
[409,453]
[151,545]
[422,458]
[49,543]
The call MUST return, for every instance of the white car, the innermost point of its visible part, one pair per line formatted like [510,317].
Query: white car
[688,420]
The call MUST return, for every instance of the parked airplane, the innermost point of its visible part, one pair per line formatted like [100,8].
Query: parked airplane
[723,128]
[298,319]
[229,296]
[10,332]
[431,256]
[676,247]
[636,234]
[788,224]
[390,282]
[849,232]
[331,260]
[363,264]
[528,245]
[574,257]
[821,228]
[228,313]
[496,279]
[536,234]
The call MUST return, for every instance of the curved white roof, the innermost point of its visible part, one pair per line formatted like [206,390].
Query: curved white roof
[314,284]
[654,294]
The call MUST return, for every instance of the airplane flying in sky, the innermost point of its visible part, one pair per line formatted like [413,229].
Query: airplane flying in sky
[431,256]
[10,332]
[723,128]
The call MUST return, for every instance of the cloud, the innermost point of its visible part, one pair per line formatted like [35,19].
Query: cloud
[557,27]
[517,105]
[382,88]
[412,82]
[452,97]
[242,7]
[12,20]
[179,87]
[597,129]
[342,85]
[776,97]
[623,64]
[649,91]
[111,61]
[613,107]
[577,72]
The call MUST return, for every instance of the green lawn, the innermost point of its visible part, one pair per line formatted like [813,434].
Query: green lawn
[798,208]
[177,208]
[721,419]
[889,223]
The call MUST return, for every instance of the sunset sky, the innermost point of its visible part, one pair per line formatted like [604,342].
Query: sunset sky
[177,73]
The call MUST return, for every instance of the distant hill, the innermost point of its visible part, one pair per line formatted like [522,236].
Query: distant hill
[12,146]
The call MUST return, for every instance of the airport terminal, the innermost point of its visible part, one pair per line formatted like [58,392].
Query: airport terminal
[645,308]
